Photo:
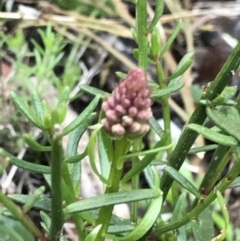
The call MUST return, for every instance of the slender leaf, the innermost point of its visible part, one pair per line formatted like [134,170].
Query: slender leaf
[46,224]
[158,13]
[104,145]
[168,90]
[77,134]
[37,104]
[148,158]
[33,199]
[146,223]
[24,109]
[204,227]
[43,204]
[227,122]
[93,234]
[171,39]
[94,91]
[34,144]
[156,127]
[182,181]
[180,208]
[203,148]
[77,158]
[28,166]
[81,118]
[111,199]
[92,154]
[183,65]
[235,183]
[213,135]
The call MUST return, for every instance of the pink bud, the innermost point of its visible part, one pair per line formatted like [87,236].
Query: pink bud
[132,111]
[111,102]
[145,128]
[120,110]
[105,106]
[135,127]
[112,116]
[125,103]
[118,130]
[144,115]
[106,125]
[127,121]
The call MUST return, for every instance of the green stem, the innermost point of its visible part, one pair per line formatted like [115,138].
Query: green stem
[188,136]
[20,216]
[105,213]
[137,146]
[141,20]
[203,203]
[69,197]
[165,104]
[211,172]
[56,180]
[218,171]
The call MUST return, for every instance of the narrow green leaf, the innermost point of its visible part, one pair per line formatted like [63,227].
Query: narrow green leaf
[10,233]
[81,118]
[178,212]
[91,153]
[77,158]
[168,90]
[121,226]
[24,109]
[226,122]
[111,199]
[104,146]
[148,173]
[143,153]
[35,145]
[92,236]
[72,149]
[228,93]
[202,149]
[180,208]
[77,134]
[156,127]
[155,47]
[179,178]
[183,65]
[211,176]
[121,75]
[43,203]
[46,221]
[94,91]
[157,15]
[171,39]
[205,225]
[196,231]
[64,96]
[28,166]
[235,183]
[213,135]
[147,221]
[37,104]
[148,157]
[33,199]
[12,230]
[224,210]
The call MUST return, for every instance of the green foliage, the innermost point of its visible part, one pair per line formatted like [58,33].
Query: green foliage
[191,215]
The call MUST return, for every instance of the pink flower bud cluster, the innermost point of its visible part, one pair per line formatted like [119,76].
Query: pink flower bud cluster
[128,109]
